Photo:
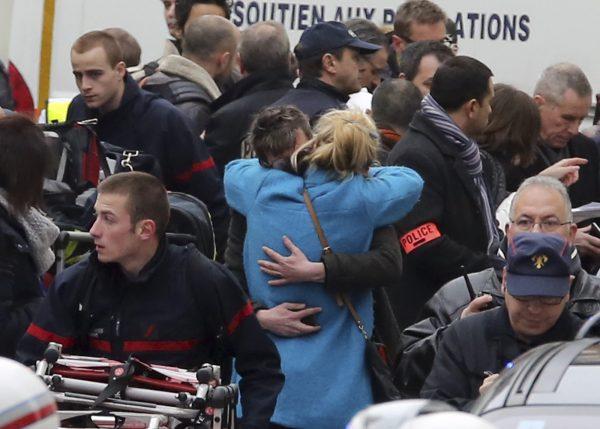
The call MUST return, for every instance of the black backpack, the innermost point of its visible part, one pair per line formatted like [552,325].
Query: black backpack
[191,221]
[76,154]
[76,160]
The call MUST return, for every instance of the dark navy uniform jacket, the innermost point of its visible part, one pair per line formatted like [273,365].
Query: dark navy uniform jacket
[479,343]
[143,121]
[314,98]
[177,311]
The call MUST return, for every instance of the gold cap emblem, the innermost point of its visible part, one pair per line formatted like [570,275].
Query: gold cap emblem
[539,261]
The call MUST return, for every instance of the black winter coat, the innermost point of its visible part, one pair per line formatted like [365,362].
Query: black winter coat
[449,204]
[173,313]
[421,340]
[145,122]
[20,286]
[585,190]
[234,112]
[479,343]
[314,97]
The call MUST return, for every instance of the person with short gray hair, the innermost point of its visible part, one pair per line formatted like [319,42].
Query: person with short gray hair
[190,81]
[394,103]
[563,95]
[264,46]
[266,77]
[549,183]
[541,205]
[557,79]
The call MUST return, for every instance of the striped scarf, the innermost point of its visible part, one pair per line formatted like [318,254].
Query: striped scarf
[469,153]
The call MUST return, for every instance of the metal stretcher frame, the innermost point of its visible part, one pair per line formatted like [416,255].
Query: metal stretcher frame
[209,407]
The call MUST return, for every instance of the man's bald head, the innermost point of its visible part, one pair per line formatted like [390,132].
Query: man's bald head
[264,46]
[209,35]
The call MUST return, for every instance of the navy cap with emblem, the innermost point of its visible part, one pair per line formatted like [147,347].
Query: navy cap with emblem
[538,264]
[327,36]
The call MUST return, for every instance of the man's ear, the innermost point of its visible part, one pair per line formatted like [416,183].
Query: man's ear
[572,232]
[470,108]
[398,44]
[121,69]
[223,59]
[146,229]
[402,76]
[539,100]
[329,63]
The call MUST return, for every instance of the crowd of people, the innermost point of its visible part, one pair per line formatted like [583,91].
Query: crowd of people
[359,186]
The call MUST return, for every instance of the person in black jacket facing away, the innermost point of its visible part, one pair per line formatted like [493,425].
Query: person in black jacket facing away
[25,233]
[132,118]
[535,284]
[265,66]
[328,58]
[190,81]
[166,304]
[453,223]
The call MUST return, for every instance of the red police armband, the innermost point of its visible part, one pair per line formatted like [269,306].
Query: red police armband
[419,236]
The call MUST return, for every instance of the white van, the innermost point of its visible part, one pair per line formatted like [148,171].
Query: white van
[517,39]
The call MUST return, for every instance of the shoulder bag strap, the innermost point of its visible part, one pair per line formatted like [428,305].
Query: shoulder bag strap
[311,210]
[339,297]
[359,324]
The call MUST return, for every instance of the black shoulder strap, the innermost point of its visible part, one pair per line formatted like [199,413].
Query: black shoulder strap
[150,68]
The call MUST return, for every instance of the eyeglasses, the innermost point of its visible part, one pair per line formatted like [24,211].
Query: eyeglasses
[546,225]
[544,300]
[447,40]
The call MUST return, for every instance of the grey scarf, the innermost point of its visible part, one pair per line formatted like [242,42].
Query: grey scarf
[469,153]
[40,233]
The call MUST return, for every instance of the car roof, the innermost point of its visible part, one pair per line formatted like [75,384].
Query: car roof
[551,374]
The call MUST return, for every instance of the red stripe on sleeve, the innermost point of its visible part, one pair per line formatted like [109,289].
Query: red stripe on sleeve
[186,176]
[31,418]
[47,336]
[102,345]
[239,317]
[159,346]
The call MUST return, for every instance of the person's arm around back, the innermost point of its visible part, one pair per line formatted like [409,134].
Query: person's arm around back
[257,361]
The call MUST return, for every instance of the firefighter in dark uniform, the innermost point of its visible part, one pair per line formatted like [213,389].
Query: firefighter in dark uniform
[165,304]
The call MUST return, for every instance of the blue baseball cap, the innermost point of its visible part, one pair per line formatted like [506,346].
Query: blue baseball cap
[327,36]
[538,265]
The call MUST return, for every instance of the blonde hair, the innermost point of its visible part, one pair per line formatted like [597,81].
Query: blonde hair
[344,141]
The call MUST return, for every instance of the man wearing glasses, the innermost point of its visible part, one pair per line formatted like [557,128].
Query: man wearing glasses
[417,20]
[536,285]
[541,204]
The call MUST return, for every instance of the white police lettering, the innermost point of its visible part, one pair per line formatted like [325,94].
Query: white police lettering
[419,236]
